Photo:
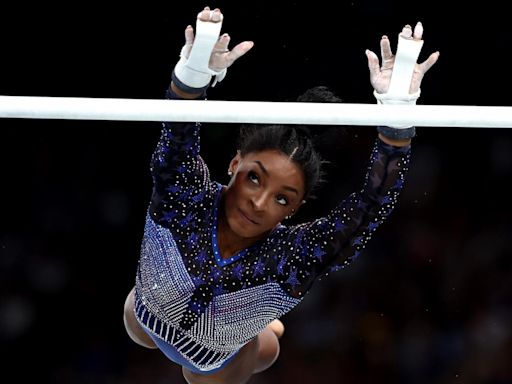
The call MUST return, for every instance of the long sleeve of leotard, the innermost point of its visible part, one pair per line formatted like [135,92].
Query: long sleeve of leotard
[333,241]
[181,179]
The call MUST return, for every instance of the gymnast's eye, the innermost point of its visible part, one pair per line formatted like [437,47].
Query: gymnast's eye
[253,177]
[281,199]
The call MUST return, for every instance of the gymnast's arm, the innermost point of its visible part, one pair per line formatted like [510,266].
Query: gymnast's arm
[180,176]
[332,242]
[178,171]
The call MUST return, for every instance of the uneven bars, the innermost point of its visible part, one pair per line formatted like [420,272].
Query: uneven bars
[217,111]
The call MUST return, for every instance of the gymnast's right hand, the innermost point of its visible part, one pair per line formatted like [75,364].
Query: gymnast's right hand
[206,53]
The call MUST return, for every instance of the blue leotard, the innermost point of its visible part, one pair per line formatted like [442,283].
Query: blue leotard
[206,307]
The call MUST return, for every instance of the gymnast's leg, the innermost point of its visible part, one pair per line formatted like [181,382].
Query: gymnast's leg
[269,348]
[132,326]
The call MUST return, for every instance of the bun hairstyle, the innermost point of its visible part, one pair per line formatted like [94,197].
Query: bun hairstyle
[319,94]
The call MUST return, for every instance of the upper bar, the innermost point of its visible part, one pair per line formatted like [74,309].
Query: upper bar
[217,111]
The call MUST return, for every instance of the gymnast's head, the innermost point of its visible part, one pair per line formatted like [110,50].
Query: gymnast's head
[276,169]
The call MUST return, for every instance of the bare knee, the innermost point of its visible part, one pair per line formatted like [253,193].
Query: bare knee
[277,327]
[268,350]
[133,328]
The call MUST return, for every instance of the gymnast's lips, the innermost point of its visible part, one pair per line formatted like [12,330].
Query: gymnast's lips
[247,217]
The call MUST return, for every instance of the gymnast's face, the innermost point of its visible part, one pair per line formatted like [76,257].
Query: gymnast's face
[266,187]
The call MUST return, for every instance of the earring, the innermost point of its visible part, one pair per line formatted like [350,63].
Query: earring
[230,173]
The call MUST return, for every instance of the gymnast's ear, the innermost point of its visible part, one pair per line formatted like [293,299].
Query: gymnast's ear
[235,161]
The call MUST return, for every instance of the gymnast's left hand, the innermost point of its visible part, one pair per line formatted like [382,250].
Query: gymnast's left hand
[380,76]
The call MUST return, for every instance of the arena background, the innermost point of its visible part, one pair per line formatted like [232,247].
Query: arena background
[429,301]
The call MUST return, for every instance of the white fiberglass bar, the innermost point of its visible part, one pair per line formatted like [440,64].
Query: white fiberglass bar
[216,111]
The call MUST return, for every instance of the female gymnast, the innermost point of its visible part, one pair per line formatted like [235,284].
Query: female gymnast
[217,266]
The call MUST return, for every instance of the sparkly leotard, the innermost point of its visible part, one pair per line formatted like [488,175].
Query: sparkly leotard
[207,307]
